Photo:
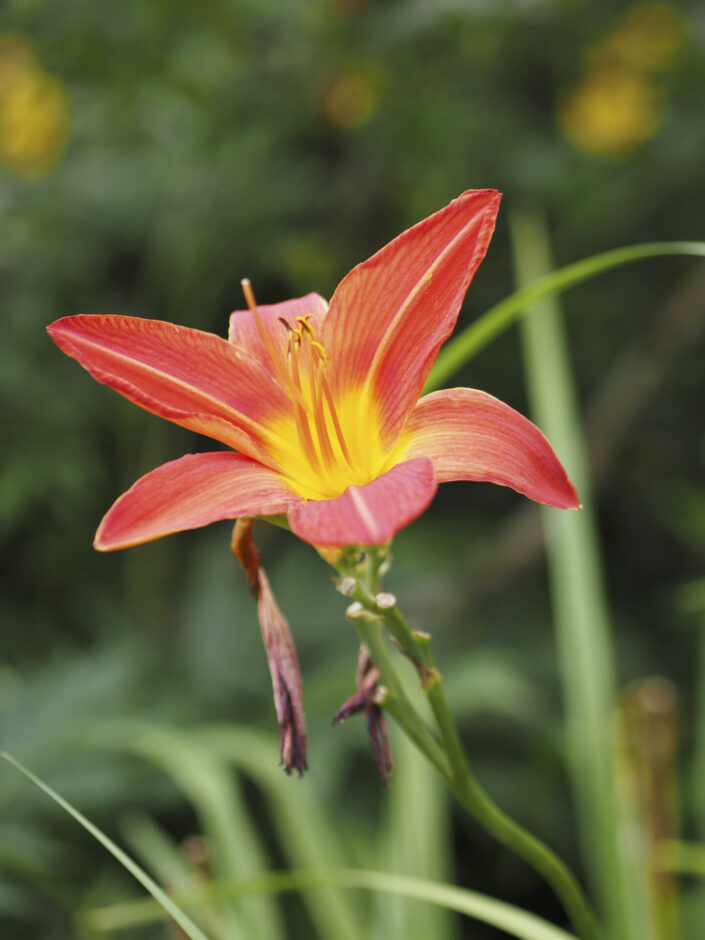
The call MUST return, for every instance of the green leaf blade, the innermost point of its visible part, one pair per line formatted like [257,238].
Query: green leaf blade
[160,896]
[468,343]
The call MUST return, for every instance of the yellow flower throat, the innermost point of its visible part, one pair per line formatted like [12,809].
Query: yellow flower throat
[326,442]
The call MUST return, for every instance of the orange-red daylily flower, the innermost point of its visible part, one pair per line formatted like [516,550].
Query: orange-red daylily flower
[320,404]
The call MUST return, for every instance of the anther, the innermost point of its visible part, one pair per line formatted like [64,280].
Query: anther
[323,358]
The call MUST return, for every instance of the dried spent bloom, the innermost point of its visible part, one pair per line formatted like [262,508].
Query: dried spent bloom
[319,403]
[365,700]
[281,652]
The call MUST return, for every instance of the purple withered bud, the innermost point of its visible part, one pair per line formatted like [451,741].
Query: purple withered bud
[364,700]
[281,652]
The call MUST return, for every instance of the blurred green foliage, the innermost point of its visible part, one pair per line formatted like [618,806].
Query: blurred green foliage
[285,141]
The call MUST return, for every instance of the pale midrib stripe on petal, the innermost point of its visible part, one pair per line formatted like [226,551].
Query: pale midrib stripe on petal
[250,423]
[391,329]
[364,510]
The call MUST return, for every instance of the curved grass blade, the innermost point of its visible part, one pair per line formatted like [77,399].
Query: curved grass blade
[228,825]
[514,921]
[494,321]
[171,864]
[162,899]
[307,838]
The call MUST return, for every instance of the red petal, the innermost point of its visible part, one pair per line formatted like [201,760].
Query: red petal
[370,514]
[192,492]
[244,331]
[390,315]
[195,379]
[470,435]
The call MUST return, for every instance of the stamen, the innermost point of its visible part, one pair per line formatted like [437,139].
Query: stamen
[302,426]
[334,416]
[312,424]
[318,414]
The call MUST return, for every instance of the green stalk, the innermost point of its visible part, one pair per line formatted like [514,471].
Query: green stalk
[396,701]
[454,766]
[585,654]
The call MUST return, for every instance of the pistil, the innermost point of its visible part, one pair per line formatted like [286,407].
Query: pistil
[277,364]
[310,398]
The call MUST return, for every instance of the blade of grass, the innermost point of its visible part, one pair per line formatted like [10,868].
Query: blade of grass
[158,850]
[227,822]
[514,921]
[498,318]
[307,837]
[585,654]
[149,842]
[162,899]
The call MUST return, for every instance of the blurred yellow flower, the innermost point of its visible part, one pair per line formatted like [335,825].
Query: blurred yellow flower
[617,104]
[611,112]
[34,112]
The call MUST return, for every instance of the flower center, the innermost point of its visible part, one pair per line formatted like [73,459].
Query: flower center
[325,443]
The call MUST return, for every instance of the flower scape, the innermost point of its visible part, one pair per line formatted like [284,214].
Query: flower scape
[319,404]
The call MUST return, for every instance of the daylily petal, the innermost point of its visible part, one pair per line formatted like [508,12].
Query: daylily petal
[370,514]
[194,379]
[469,435]
[244,331]
[390,314]
[191,492]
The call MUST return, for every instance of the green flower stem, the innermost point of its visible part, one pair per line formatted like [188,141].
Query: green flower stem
[448,757]
[395,700]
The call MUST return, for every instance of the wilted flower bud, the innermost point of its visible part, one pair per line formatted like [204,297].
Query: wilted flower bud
[281,652]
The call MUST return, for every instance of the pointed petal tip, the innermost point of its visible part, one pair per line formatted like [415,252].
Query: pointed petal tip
[57,329]
[103,543]
[391,313]
[470,435]
[492,195]
[491,198]
[191,492]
